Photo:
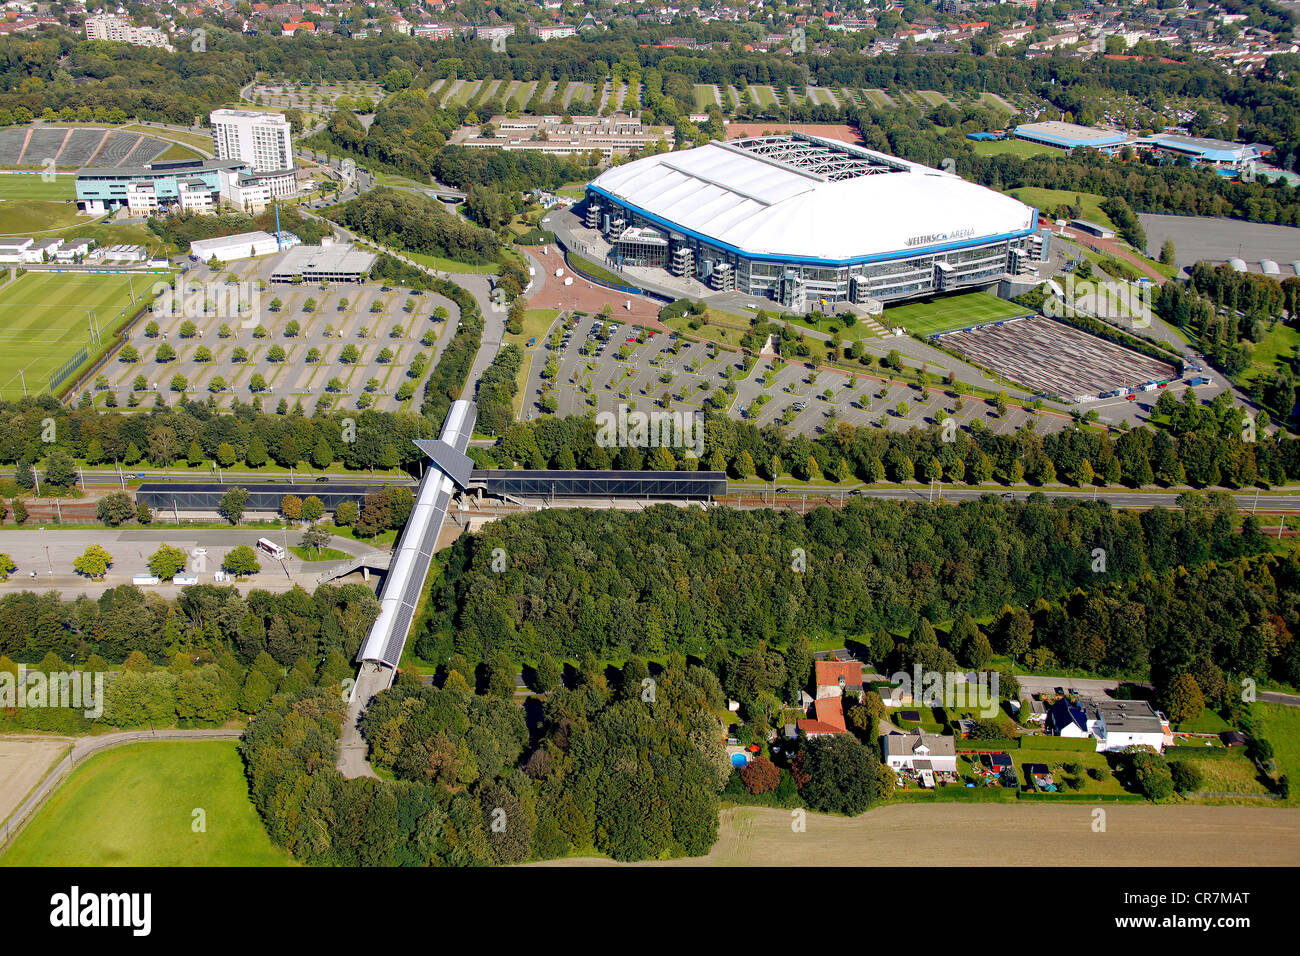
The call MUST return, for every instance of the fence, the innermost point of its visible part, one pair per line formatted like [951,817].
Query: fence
[87,747]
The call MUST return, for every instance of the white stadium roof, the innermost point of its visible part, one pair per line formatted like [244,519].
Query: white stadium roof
[796,196]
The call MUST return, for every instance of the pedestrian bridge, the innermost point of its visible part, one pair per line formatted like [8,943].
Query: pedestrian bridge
[409,565]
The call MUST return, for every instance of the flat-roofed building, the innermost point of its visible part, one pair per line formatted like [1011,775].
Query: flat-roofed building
[1070,135]
[340,262]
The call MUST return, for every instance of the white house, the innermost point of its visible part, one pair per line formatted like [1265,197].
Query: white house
[73,250]
[921,752]
[13,250]
[1114,724]
[40,251]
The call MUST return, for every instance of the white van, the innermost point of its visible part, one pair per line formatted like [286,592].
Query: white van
[183,579]
[144,579]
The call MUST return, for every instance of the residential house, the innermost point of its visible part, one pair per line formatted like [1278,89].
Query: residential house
[827,719]
[923,754]
[1114,724]
[833,678]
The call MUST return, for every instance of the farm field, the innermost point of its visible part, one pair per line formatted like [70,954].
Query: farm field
[950,312]
[134,806]
[23,762]
[43,323]
[1007,834]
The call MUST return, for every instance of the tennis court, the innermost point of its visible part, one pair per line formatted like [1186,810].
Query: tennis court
[44,322]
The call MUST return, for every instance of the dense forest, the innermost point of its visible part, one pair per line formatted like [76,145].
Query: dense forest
[603,770]
[678,580]
[415,222]
[205,657]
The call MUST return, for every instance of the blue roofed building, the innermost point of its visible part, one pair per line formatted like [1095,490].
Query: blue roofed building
[1069,136]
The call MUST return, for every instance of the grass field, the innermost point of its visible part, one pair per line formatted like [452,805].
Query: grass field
[1012,147]
[23,217]
[1282,728]
[15,186]
[950,312]
[1090,203]
[134,806]
[43,323]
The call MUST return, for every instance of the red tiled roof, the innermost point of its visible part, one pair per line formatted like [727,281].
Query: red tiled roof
[830,672]
[829,719]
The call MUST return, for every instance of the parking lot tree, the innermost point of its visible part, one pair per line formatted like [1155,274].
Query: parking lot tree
[165,353]
[94,562]
[343,304]
[129,355]
[179,383]
[203,354]
[188,329]
[276,305]
[335,384]
[115,508]
[139,383]
[292,329]
[313,509]
[166,562]
[216,384]
[241,561]
[377,306]
[316,537]
[441,314]
[7,567]
[232,504]
[239,355]
[329,331]
[309,305]
[224,331]
[151,330]
[257,383]
[1000,403]
[385,356]
[372,384]
[350,354]
[260,332]
[276,353]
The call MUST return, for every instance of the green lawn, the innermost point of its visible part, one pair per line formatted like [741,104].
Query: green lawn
[134,806]
[1281,726]
[1090,203]
[704,97]
[22,217]
[43,323]
[1056,760]
[325,554]
[765,95]
[950,312]
[1278,344]
[595,271]
[451,265]
[15,186]
[536,322]
[1011,147]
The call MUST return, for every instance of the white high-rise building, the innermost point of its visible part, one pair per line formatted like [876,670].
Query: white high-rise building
[261,140]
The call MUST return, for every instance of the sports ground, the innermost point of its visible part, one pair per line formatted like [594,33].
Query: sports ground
[43,323]
[951,312]
[136,806]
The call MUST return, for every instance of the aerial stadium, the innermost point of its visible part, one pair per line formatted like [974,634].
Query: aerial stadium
[798,218]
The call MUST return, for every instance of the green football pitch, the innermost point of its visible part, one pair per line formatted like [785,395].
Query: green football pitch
[951,312]
[139,805]
[44,323]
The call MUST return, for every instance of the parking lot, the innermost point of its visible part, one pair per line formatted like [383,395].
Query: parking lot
[1057,359]
[645,369]
[352,347]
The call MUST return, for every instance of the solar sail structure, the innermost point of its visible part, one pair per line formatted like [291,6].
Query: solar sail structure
[419,540]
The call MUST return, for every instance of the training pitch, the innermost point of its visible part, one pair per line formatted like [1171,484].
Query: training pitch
[44,323]
[951,312]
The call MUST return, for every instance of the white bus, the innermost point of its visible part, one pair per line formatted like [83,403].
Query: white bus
[271,548]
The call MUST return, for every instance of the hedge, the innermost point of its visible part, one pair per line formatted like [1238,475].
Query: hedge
[1081,797]
[1004,743]
[1212,753]
[954,793]
[1077,744]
